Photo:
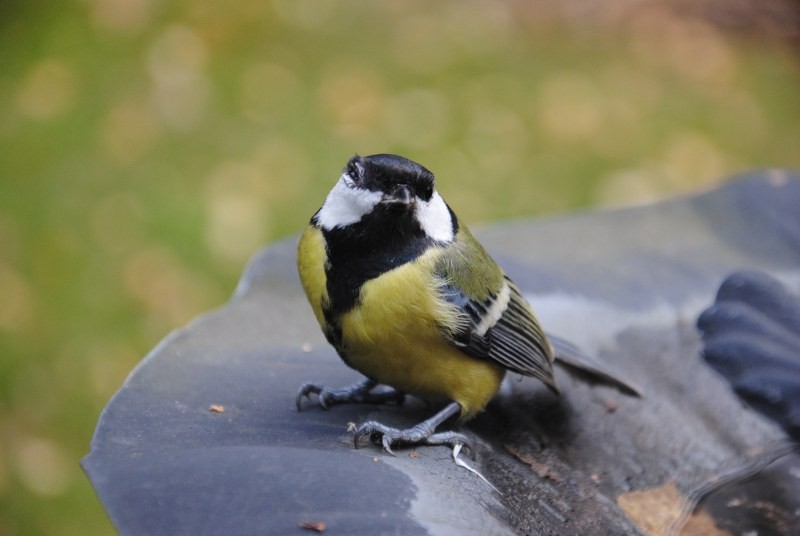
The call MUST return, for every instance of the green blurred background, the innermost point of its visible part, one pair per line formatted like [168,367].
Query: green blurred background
[147,148]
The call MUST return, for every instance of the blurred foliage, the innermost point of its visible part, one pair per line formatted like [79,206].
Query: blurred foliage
[147,148]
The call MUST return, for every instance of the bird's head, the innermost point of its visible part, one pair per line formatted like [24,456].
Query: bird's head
[388,191]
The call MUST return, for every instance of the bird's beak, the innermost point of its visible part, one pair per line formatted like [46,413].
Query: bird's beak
[401,195]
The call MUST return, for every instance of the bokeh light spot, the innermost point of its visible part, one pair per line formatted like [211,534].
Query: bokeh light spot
[48,90]
[18,304]
[122,15]
[237,214]
[496,137]
[417,118]
[306,14]
[109,363]
[570,107]
[42,466]
[117,224]
[266,89]
[169,292]
[128,131]
[181,90]
[353,100]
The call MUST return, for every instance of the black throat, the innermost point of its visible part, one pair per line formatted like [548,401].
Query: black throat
[384,239]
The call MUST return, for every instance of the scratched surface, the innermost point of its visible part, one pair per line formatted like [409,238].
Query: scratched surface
[627,285]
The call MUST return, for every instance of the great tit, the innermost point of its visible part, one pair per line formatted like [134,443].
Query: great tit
[410,299]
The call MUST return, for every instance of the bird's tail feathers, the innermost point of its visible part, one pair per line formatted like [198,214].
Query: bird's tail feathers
[580,364]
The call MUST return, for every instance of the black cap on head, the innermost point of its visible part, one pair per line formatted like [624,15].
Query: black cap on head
[385,172]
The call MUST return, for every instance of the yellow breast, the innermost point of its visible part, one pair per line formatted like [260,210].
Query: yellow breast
[394,337]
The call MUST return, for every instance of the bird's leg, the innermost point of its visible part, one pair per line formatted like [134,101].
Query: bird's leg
[421,434]
[358,393]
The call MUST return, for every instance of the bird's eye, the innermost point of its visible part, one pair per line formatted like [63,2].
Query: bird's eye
[355,172]
[426,193]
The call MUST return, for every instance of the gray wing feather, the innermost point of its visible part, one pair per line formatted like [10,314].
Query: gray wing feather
[515,341]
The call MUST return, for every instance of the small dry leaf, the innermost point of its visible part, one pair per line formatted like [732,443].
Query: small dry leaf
[413,455]
[216,408]
[610,404]
[541,469]
[316,526]
[656,509]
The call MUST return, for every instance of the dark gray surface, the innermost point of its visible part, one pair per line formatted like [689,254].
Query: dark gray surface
[627,285]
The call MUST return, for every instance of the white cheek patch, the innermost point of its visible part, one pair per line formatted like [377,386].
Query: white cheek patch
[345,205]
[434,217]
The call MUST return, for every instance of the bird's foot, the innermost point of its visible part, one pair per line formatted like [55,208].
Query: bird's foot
[421,434]
[359,393]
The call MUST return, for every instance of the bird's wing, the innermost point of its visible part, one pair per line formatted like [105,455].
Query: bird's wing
[502,328]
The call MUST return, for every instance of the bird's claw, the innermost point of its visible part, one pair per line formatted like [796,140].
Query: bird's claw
[306,390]
[389,437]
[359,393]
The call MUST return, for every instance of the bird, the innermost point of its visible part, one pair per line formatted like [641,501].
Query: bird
[410,299]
